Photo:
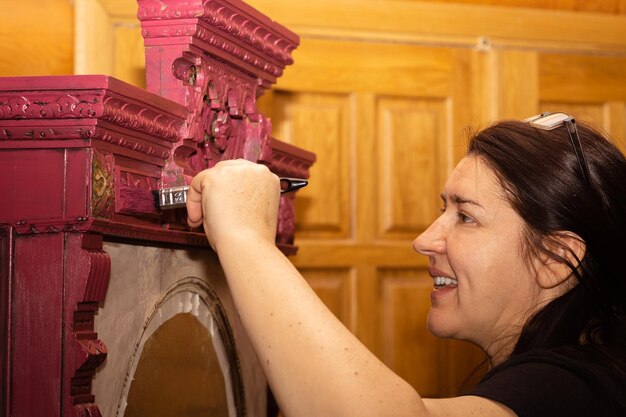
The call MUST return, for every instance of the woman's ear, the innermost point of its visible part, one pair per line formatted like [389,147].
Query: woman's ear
[568,250]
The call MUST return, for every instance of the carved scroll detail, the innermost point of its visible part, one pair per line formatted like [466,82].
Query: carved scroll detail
[223,121]
[46,106]
[134,144]
[102,185]
[138,117]
[97,104]
[91,352]
[87,410]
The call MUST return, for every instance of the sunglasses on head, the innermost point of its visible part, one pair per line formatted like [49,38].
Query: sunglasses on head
[550,121]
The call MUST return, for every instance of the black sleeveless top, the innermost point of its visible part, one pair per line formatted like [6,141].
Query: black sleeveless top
[551,383]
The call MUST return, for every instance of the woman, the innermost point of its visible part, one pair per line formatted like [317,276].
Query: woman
[525,260]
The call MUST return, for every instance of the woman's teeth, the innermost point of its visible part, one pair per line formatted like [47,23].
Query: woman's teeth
[444,281]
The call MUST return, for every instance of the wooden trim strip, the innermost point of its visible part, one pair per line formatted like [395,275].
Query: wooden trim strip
[441,24]
[450,24]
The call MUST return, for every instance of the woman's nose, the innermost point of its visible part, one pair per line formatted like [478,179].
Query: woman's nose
[432,241]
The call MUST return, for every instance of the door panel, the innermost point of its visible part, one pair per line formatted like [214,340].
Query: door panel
[405,299]
[386,130]
[319,122]
[383,93]
[413,154]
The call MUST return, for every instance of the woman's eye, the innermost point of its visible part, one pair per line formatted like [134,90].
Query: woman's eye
[463,218]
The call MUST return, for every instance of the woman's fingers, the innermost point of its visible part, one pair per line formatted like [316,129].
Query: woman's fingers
[234,195]
[194,201]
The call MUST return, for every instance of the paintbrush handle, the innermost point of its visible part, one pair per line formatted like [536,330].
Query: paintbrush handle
[175,197]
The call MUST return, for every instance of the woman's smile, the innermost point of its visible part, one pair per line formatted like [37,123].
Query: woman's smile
[482,283]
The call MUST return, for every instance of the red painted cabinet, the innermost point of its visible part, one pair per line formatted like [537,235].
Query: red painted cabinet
[83,253]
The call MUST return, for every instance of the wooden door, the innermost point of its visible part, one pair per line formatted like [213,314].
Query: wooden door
[386,124]
[382,92]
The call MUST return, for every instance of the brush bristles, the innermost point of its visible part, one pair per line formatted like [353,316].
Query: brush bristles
[137,201]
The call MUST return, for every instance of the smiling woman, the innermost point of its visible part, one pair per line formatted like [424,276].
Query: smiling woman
[525,263]
[476,242]
[573,335]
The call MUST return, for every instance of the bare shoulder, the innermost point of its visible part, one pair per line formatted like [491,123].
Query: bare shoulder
[468,405]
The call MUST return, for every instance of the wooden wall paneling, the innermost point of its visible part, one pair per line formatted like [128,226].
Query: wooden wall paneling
[320,122]
[468,99]
[590,87]
[400,112]
[364,69]
[109,40]
[369,327]
[366,168]
[609,117]
[413,160]
[124,7]
[515,83]
[347,66]
[457,24]
[615,116]
[36,39]
[324,66]
[580,78]
[94,40]
[603,6]
[129,54]
[409,348]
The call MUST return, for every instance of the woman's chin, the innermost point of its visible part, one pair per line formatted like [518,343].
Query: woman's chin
[439,326]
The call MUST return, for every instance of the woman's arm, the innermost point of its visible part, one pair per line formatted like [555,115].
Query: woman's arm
[314,365]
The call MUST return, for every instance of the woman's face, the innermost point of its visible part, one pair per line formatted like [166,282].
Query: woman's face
[484,287]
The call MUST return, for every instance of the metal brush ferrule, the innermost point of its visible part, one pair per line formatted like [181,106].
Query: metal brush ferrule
[173,197]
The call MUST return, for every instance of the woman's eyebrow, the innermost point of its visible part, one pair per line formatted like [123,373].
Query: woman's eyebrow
[457,199]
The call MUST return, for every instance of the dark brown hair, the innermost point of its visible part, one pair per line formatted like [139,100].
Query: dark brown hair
[545,186]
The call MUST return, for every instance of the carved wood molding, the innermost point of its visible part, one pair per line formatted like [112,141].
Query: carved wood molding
[57,107]
[229,25]
[95,148]
[88,352]
[138,147]
[140,141]
[283,162]
[222,54]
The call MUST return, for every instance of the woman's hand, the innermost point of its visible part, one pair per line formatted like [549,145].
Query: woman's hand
[235,197]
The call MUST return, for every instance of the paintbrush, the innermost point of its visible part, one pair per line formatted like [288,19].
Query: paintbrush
[138,201]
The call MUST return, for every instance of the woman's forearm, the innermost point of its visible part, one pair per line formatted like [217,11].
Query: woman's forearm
[314,365]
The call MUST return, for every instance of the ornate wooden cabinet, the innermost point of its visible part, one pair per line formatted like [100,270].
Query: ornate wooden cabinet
[94,280]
